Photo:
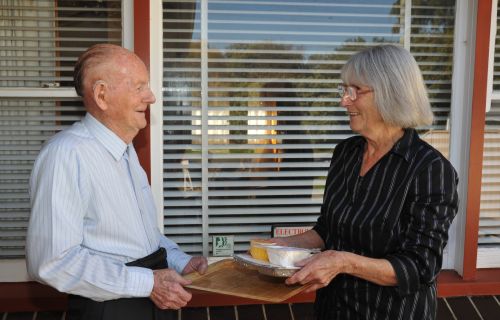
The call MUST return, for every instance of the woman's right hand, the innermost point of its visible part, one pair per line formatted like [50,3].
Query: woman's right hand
[319,269]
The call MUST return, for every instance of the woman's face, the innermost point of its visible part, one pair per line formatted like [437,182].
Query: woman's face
[364,117]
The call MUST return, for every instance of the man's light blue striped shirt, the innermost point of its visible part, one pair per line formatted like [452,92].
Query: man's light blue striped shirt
[91,213]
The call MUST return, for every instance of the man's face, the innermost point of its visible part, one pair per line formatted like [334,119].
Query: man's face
[129,98]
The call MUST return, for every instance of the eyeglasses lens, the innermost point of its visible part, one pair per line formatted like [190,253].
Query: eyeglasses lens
[353,93]
[349,90]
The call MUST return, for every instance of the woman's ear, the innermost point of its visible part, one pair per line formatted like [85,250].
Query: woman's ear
[99,90]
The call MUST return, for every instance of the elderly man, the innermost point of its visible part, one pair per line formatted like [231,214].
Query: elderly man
[93,230]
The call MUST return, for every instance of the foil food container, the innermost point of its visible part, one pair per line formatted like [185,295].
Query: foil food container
[246,261]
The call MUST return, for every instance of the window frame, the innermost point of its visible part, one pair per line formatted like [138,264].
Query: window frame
[481,54]
[467,52]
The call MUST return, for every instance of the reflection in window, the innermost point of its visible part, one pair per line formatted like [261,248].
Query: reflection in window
[25,124]
[39,45]
[262,117]
[489,217]
[273,113]
[488,255]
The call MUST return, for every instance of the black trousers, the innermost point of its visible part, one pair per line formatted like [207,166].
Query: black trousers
[81,308]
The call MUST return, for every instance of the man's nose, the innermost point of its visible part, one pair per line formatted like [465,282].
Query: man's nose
[150,98]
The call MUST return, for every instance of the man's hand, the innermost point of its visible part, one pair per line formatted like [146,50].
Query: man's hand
[198,264]
[168,292]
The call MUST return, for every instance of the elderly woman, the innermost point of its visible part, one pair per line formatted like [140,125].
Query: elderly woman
[388,203]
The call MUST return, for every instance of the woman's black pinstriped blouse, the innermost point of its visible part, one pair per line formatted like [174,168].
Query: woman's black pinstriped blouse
[400,210]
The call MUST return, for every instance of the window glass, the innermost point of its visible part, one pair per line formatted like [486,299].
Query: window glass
[488,255]
[496,59]
[251,113]
[39,44]
[25,124]
[489,218]
[41,40]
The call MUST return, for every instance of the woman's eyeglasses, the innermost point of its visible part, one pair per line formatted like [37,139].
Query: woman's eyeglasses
[351,91]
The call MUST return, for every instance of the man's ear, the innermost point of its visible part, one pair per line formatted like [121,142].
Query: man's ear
[99,92]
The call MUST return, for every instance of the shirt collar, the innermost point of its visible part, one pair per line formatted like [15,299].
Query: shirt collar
[109,140]
[358,143]
[405,147]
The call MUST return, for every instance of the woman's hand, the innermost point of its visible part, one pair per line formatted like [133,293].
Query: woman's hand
[198,264]
[319,269]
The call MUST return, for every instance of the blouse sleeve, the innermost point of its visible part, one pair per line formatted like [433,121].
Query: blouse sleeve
[432,203]
[336,163]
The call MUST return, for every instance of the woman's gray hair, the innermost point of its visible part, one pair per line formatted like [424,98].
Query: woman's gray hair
[397,83]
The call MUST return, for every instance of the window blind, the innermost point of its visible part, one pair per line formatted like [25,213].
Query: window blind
[488,255]
[251,113]
[25,124]
[496,58]
[41,40]
[39,44]
[489,219]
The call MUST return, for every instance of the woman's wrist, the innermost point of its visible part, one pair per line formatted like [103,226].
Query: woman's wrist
[348,264]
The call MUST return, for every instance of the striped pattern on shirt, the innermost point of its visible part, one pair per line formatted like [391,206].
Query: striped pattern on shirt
[400,210]
[92,212]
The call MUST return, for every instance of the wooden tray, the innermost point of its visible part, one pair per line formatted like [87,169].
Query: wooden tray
[226,277]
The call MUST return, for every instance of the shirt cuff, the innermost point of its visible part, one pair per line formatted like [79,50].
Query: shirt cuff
[406,273]
[177,259]
[141,281]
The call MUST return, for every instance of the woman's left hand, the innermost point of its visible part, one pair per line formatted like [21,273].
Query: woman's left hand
[319,270]
[198,264]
